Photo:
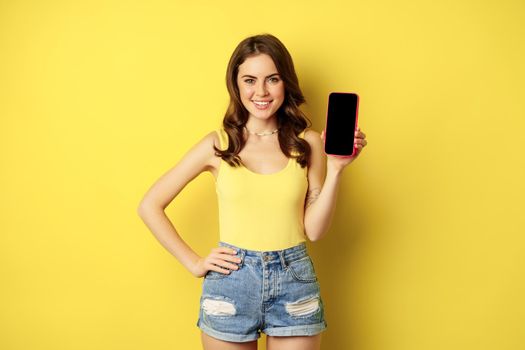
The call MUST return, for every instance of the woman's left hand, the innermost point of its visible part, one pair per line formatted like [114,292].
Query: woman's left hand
[338,163]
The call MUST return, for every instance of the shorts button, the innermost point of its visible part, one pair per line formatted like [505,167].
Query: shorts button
[266,258]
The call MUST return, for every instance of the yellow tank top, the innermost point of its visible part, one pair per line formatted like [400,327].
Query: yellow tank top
[261,212]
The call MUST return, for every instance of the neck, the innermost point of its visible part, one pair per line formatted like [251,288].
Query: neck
[260,126]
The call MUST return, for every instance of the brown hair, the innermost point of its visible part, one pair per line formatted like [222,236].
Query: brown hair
[291,121]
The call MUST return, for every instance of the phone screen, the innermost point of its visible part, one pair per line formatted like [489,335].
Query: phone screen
[341,121]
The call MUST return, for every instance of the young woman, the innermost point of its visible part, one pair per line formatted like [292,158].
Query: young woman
[276,188]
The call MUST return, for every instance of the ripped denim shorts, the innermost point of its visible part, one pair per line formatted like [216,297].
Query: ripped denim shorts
[274,292]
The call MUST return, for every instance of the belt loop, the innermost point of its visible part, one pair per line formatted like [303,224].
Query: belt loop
[283,260]
[242,253]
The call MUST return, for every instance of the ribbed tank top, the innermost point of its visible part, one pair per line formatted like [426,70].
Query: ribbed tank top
[262,212]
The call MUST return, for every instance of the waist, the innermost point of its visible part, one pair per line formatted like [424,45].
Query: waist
[284,255]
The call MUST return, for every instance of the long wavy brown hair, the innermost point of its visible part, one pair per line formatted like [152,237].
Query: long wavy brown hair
[291,121]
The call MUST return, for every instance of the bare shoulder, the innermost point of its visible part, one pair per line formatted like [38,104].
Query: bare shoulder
[211,139]
[206,144]
[313,138]
[200,157]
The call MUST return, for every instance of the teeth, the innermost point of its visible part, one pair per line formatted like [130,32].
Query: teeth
[261,103]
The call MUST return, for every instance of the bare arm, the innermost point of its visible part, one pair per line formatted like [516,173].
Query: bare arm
[151,208]
[322,189]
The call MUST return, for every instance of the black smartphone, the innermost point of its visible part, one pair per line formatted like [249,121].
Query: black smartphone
[341,124]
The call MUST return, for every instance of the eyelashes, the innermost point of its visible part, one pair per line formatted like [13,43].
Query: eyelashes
[272,80]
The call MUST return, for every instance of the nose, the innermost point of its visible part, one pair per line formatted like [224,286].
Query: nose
[260,89]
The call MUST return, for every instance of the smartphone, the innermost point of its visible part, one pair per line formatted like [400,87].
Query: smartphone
[341,124]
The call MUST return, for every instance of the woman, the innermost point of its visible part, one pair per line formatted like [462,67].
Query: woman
[275,187]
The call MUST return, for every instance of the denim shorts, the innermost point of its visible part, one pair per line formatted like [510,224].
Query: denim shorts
[274,292]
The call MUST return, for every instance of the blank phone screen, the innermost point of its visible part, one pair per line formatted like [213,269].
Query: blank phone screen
[341,123]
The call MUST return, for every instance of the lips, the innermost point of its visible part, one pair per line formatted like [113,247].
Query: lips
[262,104]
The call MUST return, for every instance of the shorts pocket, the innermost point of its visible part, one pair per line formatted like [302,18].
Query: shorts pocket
[302,270]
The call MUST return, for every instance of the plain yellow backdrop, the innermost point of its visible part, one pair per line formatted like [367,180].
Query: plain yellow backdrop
[99,98]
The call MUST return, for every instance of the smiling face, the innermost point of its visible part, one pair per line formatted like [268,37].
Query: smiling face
[260,86]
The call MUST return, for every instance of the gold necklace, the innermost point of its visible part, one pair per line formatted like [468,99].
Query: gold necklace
[264,133]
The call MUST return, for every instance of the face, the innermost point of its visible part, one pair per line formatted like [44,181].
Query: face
[260,86]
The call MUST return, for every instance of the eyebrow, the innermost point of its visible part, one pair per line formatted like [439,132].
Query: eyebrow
[251,76]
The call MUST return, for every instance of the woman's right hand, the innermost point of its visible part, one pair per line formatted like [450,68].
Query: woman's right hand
[220,259]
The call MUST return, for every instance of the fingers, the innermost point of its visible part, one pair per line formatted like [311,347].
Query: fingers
[360,142]
[225,250]
[226,254]
[220,265]
[360,139]
[222,259]
[359,134]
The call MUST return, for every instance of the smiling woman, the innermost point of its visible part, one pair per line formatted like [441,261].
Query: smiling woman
[273,195]
[261,93]
[264,96]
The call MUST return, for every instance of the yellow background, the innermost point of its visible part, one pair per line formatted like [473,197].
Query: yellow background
[99,98]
